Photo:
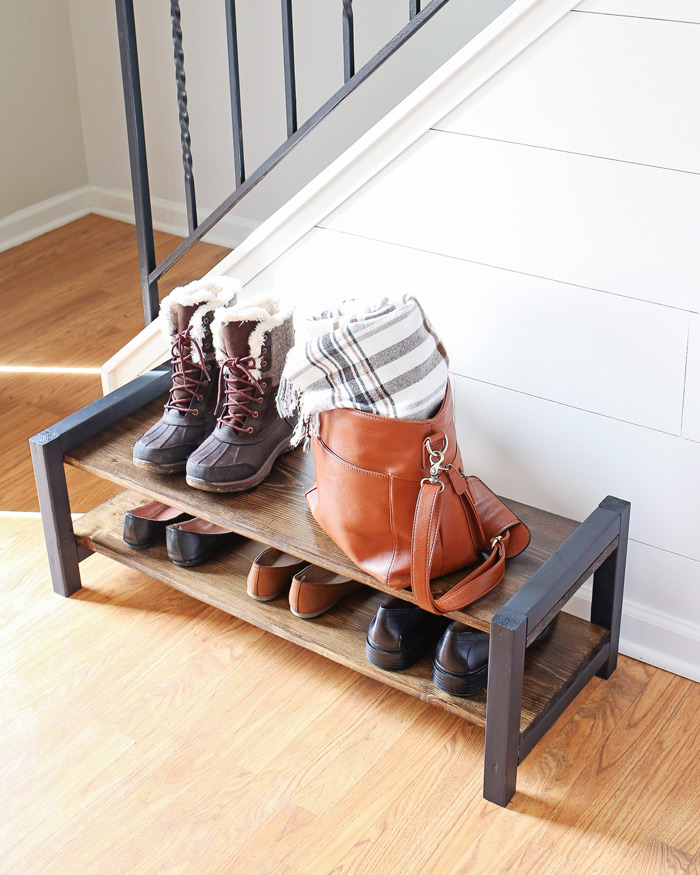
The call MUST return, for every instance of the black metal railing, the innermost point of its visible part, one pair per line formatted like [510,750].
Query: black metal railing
[150,271]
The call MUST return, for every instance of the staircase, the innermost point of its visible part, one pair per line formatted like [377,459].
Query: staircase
[494,31]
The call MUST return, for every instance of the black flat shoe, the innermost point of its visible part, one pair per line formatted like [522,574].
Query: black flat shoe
[145,525]
[399,633]
[193,541]
[462,659]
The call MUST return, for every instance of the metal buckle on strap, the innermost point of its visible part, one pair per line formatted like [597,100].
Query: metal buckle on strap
[495,541]
[437,457]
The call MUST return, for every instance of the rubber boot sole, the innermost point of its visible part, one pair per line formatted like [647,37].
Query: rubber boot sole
[241,485]
[153,468]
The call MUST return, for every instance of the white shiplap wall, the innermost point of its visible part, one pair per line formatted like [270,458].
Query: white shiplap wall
[551,226]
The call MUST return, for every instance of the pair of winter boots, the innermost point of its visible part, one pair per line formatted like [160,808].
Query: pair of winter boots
[220,424]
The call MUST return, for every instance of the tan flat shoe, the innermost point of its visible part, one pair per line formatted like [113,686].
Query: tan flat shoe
[271,574]
[315,590]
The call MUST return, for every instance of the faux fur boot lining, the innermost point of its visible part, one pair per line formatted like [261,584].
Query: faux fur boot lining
[264,310]
[210,293]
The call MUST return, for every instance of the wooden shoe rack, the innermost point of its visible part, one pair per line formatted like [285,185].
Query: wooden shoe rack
[527,688]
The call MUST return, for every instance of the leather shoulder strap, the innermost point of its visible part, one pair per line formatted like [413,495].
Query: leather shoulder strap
[426,525]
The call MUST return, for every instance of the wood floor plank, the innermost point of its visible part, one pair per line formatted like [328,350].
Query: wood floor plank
[694,866]
[537,860]
[244,721]
[656,857]
[545,777]
[46,742]
[366,801]
[345,744]
[637,817]
[608,771]
[152,818]
[386,848]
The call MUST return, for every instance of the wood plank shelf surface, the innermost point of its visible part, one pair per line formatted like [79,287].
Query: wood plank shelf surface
[276,512]
[340,633]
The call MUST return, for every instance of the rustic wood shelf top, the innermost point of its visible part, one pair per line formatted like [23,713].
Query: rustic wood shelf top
[276,512]
[340,633]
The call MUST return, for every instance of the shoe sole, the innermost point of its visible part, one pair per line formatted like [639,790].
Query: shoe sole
[240,485]
[393,660]
[137,546]
[315,613]
[187,563]
[265,598]
[153,468]
[460,685]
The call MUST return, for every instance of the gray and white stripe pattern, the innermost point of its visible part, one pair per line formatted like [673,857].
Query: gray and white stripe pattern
[384,359]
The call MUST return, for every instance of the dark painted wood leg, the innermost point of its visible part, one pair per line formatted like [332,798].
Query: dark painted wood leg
[503,704]
[50,475]
[608,584]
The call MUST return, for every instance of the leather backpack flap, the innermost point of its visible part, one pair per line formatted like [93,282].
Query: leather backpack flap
[497,519]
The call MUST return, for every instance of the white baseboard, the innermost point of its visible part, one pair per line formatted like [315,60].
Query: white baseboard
[169,216]
[650,636]
[43,217]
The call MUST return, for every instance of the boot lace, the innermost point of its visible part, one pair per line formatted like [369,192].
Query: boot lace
[187,374]
[241,390]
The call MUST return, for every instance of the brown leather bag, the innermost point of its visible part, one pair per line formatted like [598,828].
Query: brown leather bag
[392,495]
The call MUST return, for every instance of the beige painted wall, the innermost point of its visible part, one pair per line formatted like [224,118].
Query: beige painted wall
[42,142]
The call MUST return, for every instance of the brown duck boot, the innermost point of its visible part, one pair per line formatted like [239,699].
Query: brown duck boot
[190,412]
[252,340]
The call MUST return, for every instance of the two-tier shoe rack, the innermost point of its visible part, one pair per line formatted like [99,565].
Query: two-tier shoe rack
[527,688]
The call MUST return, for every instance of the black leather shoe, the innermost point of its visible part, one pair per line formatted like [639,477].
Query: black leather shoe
[399,633]
[462,659]
[145,525]
[193,541]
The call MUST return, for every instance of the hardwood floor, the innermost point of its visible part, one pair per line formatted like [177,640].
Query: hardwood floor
[145,732]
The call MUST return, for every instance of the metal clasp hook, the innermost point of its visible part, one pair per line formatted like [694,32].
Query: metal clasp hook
[437,457]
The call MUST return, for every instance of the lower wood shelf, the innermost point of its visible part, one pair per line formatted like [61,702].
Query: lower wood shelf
[340,633]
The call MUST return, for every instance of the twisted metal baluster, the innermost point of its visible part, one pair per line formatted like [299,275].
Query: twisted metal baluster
[348,40]
[185,139]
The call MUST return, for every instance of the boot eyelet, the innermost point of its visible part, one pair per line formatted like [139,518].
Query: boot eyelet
[254,414]
[200,397]
[205,320]
[263,364]
[259,401]
[194,412]
[264,385]
[209,366]
[263,350]
[249,430]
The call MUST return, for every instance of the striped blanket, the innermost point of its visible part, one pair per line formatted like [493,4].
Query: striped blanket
[383,359]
